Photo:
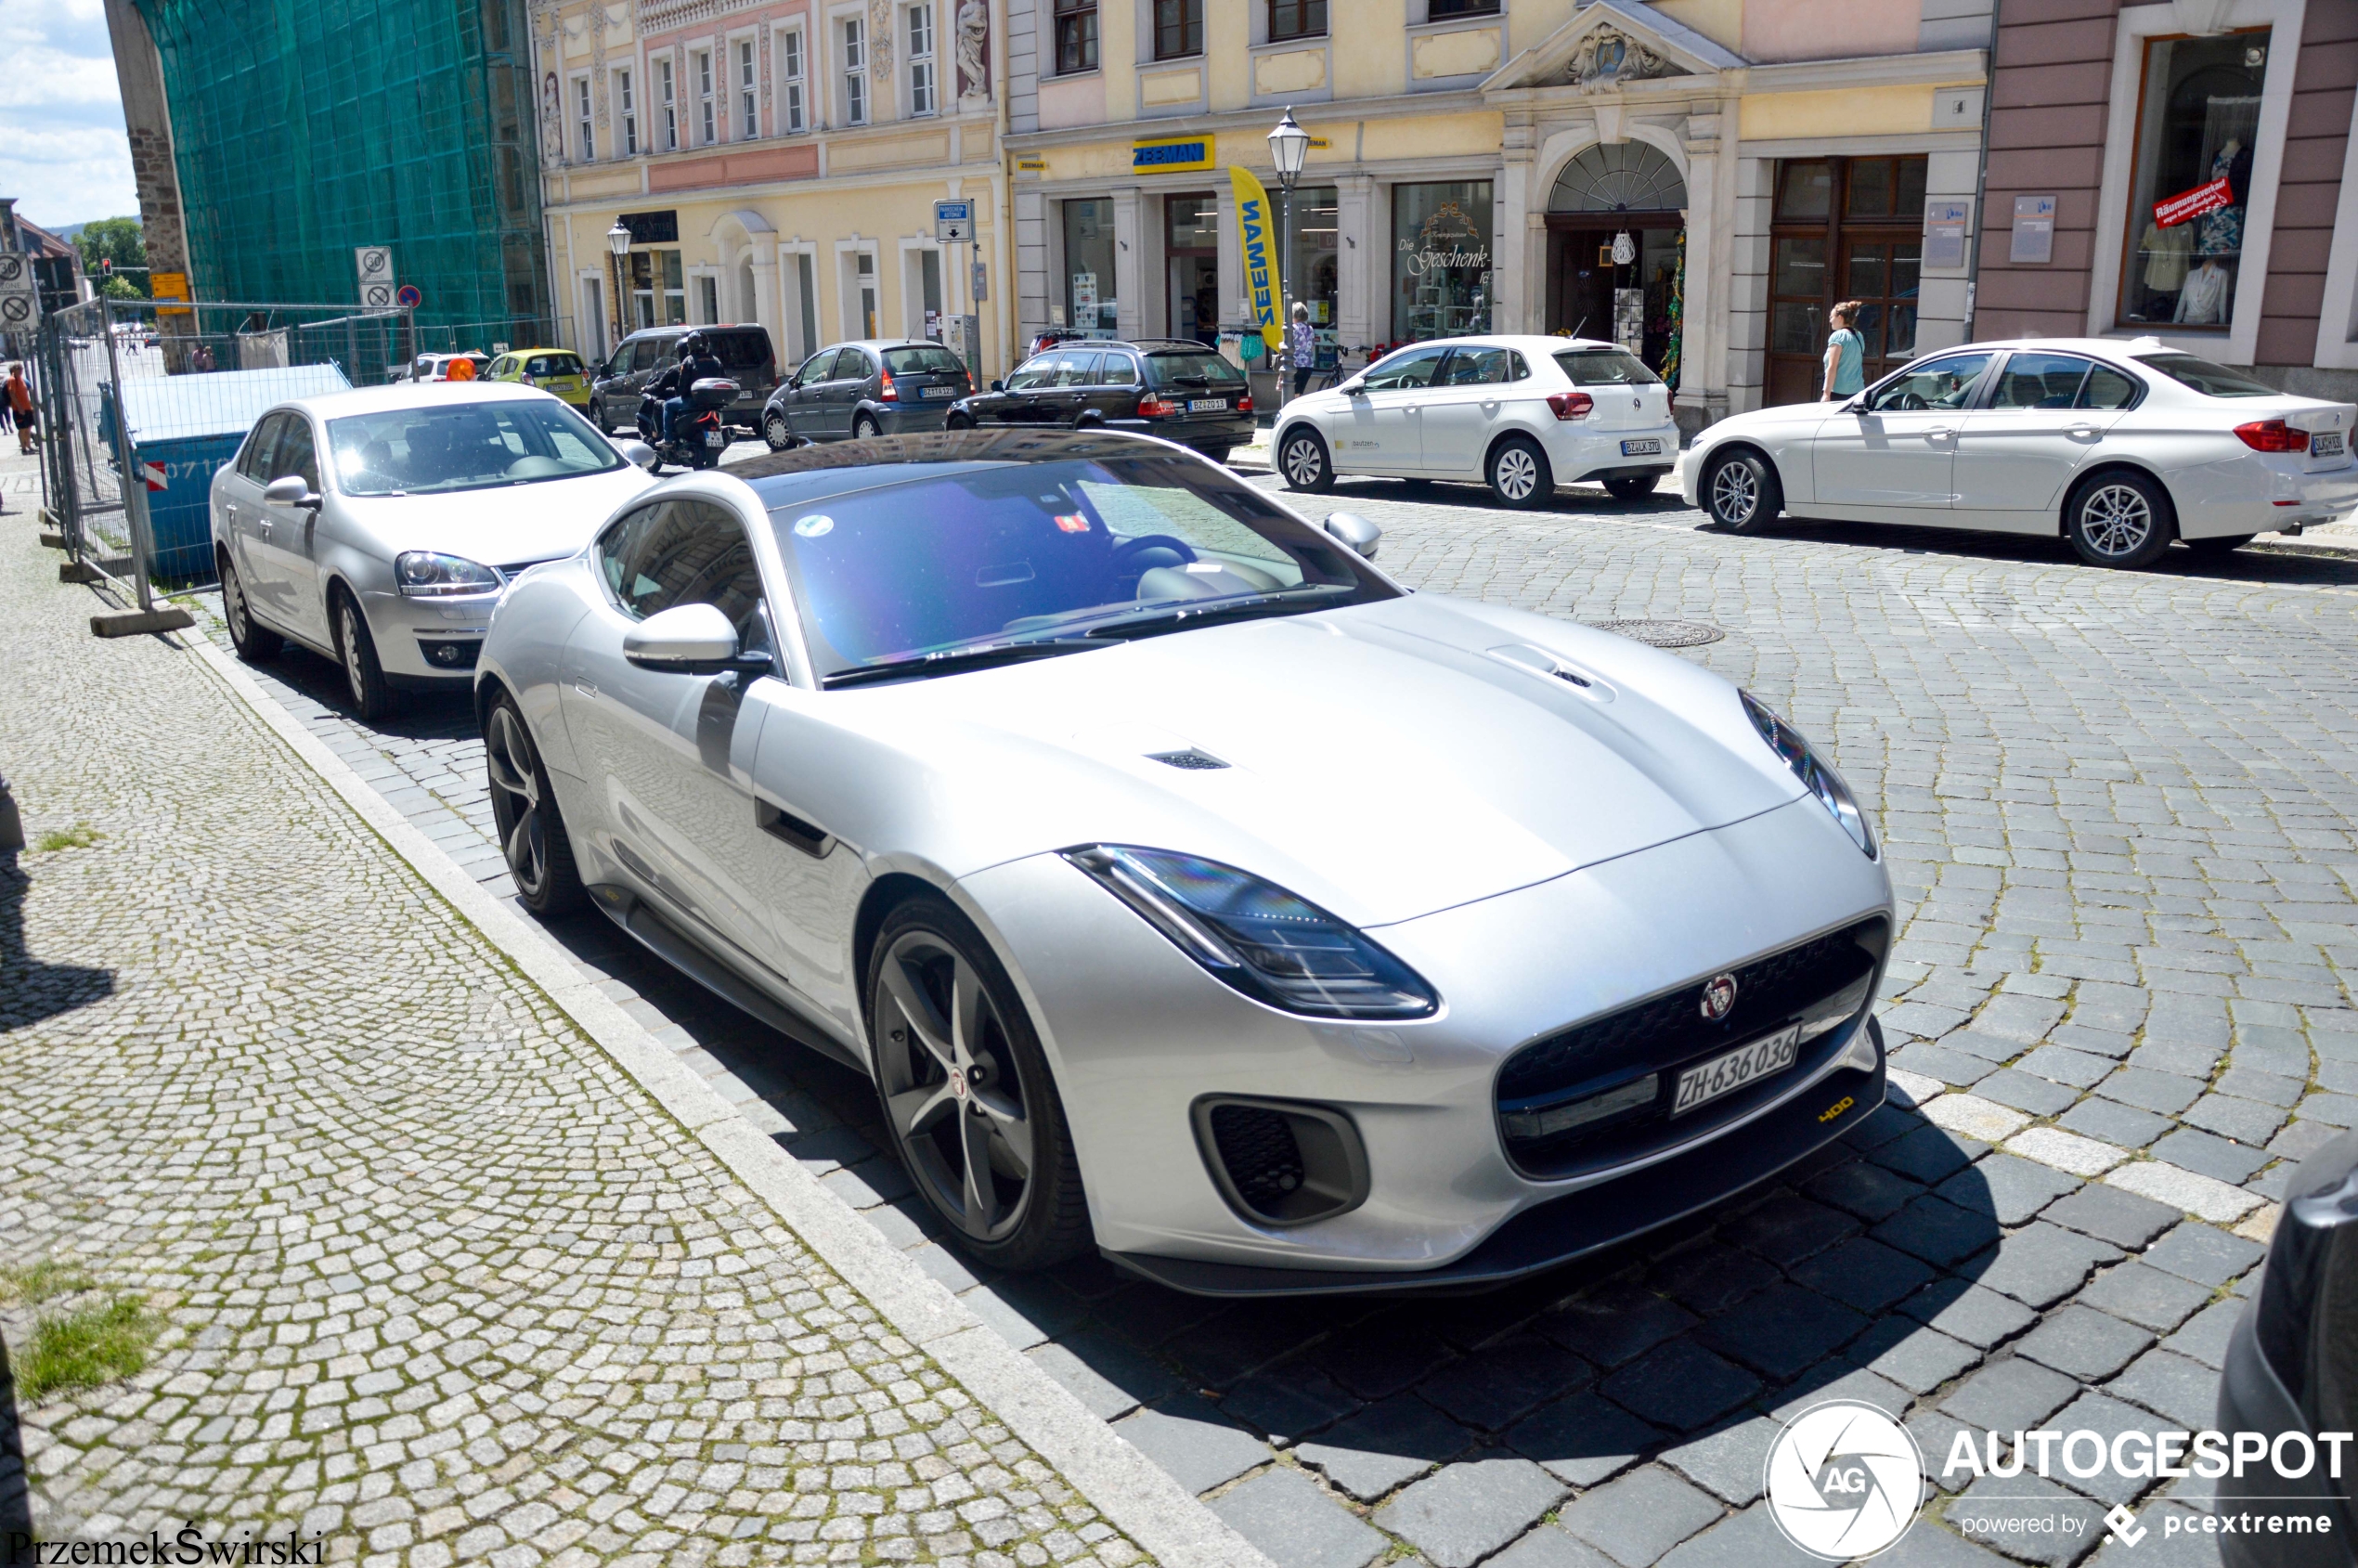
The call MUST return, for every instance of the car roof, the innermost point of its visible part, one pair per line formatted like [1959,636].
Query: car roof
[808,475]
[513,352]
[413,395]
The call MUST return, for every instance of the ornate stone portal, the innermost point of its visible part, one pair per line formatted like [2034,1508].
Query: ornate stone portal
[1607,58]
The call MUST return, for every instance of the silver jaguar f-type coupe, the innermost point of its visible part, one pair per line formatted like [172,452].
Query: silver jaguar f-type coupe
[1186,885]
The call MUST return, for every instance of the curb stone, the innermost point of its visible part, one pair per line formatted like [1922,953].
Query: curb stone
[1128,1488]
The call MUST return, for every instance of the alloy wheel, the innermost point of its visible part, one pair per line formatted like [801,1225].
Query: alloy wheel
[348,620]
[1515,474]
[1734,492]
[233,604]
[515,786]
[950,1087]
[1304,462]
[2115,520]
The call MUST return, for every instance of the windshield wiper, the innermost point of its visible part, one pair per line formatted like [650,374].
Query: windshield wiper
[1211,612]
[919,666]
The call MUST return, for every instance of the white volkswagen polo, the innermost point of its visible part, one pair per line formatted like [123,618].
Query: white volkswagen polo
[2121,446]
[1524,414]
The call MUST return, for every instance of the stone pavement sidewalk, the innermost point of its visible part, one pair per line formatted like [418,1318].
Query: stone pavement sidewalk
[437,1279]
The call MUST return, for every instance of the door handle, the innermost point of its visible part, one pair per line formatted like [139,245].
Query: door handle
[1940,434]
[2083,433]
[586,689]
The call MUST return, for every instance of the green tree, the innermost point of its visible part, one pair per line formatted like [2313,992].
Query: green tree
[121,288]
[121,241]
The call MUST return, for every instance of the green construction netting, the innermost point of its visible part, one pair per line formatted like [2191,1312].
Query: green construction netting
[307,128]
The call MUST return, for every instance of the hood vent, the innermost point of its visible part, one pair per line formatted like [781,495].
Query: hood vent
[1190,759]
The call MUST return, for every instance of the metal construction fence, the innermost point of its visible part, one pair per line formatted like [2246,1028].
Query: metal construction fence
[143,400]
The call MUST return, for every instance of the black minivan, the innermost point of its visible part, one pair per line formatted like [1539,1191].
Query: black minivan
[1172,387]
[744,352]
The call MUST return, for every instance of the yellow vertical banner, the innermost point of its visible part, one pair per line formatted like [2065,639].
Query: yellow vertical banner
[1257,227]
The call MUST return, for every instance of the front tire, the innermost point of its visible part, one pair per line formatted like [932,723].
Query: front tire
[253,644]
[372,696]
[598,417]
[778,434]
[1519,473]
[2121,519]
[966,1091]
[1740,493]
[958,421]
[1304,462]
[523,808]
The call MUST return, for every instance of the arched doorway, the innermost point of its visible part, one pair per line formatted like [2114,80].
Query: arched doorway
[1606,191]
[748,302]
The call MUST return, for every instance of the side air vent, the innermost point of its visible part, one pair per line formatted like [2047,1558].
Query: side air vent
[1190,759]
[805,835]
[1279,1163]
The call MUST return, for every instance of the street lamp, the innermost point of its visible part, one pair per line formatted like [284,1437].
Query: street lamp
[1289,147]
[619,241]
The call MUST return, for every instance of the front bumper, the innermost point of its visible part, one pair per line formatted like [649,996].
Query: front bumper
[1137,1035]
[429,643]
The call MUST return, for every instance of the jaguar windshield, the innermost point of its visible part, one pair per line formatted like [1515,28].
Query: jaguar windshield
[948,570]
[438,449]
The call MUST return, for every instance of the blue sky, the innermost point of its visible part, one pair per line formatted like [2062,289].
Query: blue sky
[63,152]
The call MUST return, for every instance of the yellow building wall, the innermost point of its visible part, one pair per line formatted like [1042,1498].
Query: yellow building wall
[1450,136]
[1536,21]
[1117,57]
[1227,49]
[1722,21]
[1848,111]
[1369,59]
[1804,30]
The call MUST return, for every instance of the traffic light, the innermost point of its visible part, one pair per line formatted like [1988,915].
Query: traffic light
[106,266]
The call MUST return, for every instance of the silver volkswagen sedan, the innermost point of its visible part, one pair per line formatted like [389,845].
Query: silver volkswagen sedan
[1187,886]
[388,556]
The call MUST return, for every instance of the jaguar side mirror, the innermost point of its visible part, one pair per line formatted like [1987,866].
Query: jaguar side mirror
[289,489]
[639,455]
[684,640]
[1355,531]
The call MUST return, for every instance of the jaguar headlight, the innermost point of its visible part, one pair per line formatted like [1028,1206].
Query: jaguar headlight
[1257,938]
[421,574]
[1815,772]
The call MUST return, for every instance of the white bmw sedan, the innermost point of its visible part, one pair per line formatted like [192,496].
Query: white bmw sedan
[388,556]
[2121,447]
[1521,414]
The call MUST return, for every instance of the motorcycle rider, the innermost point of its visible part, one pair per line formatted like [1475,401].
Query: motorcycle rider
[696,363]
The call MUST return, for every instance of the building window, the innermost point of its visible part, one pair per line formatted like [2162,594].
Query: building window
[748,108]
[1441,272]
[588,127]
[1449,10]
[1076,36]
[1297,19]
[930,291]
[1844,229]
[658,289]
[705,122]
[1178,29]
[1089,303]
[670,93]
[2196,116]
[708,297]
[864,278]
[922,97]
[790,74]
[626,107]
[1312,214]
[855,71]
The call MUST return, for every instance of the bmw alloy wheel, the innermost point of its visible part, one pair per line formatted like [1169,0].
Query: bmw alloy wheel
[515,786]
[2115,520]
[1735,494]
[950,1085]
[1516,474]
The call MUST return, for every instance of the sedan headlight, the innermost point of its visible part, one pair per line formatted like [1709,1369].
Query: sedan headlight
[1815,772]
[1257,938]
[421,573]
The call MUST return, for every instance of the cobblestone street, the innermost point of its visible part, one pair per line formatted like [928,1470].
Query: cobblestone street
[347,1147]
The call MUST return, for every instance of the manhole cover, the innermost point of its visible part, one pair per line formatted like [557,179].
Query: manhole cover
[1664,634]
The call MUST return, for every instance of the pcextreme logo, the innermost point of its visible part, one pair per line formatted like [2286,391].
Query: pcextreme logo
[1843,1481]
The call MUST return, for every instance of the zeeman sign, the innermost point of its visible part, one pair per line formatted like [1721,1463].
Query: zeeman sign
[1257,229]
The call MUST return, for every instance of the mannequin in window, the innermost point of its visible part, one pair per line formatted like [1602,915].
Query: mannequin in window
[2203,301]
[2167,252]
[2222,233]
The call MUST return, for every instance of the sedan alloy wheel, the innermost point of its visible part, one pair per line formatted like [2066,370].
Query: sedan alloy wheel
[252,643]
[372,697]
[2120,519]
[523,808]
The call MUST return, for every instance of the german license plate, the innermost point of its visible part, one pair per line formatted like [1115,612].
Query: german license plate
[712,438]
[1643,448]
[1726,1074]
[1206,405]
[2326,444]
[932,392]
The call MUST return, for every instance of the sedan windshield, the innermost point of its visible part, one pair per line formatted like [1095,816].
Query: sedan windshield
[464,446]
[987,556]
[2212,380]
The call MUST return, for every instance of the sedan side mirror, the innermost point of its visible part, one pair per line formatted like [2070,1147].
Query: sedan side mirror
[289,489]
[1355,531]
[684,640]
[1354,387]
[639,454]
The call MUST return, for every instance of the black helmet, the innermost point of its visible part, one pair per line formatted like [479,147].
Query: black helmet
[693,343]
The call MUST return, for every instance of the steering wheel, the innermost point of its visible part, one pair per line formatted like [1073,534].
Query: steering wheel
[1907,402]
[1124,552]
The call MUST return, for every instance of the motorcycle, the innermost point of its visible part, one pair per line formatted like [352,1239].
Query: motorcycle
[704,435]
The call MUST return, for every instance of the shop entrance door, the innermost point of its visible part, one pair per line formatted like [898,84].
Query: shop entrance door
[1191,244]
[1588,284]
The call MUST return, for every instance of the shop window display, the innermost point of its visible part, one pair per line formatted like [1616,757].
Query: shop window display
[2197,119]
[1090,307]
[1315,278]
[1441,263]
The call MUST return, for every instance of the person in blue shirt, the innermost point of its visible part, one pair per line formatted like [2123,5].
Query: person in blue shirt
[1845,353]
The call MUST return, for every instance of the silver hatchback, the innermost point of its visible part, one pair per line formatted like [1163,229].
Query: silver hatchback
[389,556]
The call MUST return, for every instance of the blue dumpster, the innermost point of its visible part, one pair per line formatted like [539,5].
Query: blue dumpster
[183,429]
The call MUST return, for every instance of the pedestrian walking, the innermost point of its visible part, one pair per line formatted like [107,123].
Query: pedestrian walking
[202,360]
[1305,348]
[20,409]
[1845,353]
